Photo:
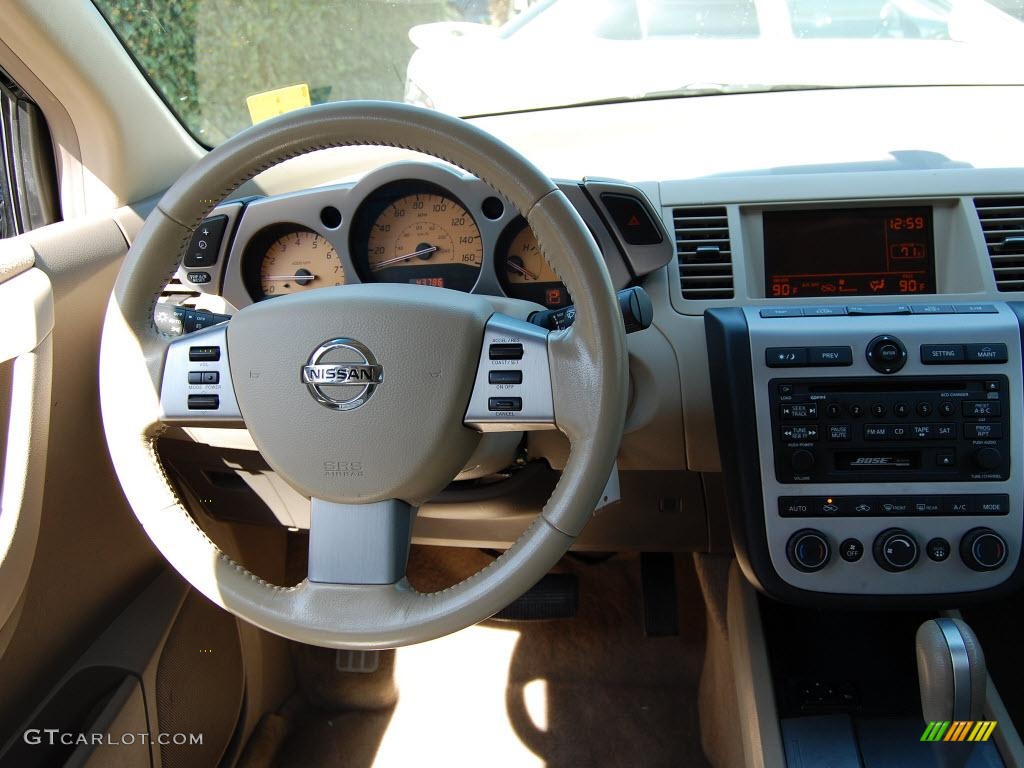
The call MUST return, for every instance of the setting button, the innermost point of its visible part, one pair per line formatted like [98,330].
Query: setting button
[986,353]
[939,354]
[504,377]
[504,403]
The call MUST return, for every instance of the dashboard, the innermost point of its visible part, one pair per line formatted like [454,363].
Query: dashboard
[830,306]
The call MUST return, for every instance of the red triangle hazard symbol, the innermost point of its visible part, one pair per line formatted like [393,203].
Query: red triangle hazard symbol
[633,221]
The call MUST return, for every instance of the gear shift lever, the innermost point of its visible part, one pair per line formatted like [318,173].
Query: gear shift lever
[951,671]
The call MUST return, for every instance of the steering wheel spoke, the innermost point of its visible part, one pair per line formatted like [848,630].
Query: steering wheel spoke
[196,388]
[512,389]
[359,544]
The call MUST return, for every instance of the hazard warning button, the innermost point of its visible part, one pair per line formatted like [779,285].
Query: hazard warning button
[632,219]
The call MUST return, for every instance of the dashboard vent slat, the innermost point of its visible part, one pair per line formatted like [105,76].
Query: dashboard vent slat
[1002,222]
[704,252]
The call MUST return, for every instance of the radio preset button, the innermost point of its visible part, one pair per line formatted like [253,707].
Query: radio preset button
[901,409]
[856,410]
[834,410]
[947,408]
[924,408]
[976,409]
[877,410]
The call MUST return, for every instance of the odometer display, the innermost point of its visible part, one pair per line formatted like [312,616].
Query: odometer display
[849,252]
[412,232]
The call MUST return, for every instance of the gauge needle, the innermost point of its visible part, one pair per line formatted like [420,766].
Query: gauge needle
[386,262]
[521,270]
[291,277]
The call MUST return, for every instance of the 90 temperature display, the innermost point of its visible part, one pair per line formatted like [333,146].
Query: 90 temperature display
[849,252]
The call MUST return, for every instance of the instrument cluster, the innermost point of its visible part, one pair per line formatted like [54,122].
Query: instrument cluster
[410,222]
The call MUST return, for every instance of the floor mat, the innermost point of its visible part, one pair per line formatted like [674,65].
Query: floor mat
[587,691]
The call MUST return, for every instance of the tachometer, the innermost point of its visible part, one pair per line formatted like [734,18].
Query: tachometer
[412,232]
[523,271]
[298,260]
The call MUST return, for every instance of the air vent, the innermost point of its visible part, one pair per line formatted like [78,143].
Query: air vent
[705,257]
[1002,221]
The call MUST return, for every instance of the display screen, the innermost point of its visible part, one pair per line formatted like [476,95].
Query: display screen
[849,252]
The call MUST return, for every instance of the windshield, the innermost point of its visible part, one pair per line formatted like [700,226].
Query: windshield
[222,65]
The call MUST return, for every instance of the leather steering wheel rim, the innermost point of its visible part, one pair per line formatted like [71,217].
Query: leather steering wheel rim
[588,364]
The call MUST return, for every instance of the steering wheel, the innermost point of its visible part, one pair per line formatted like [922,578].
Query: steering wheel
[368,399]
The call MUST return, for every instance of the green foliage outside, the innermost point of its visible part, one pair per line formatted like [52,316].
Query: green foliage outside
[207,56]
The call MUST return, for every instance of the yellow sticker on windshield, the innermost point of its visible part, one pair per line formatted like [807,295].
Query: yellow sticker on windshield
[263,106]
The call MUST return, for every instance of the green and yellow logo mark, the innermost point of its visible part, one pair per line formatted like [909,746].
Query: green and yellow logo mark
[959,730]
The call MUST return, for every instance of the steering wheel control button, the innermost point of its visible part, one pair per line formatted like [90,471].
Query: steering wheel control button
[896,550]
[808,550]
[505,377]
[198,278]
[342,374]
[942,354]
[204,354]
[986,353]
[785,357]
[204,246]
[505,352]
[982,549]
[203,377]
[203,402]
[508,404]
[851,550]
[937,549]
[631,219]
[886,354]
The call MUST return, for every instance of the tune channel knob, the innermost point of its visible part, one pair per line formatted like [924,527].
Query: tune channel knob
[808,550]
[982,549]
[988,458]
[896,550]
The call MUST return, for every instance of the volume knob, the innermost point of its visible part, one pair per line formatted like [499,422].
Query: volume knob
[802,461]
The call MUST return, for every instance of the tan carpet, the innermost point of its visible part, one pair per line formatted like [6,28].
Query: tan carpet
[587,691]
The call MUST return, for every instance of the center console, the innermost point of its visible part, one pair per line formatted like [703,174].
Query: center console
[872,449]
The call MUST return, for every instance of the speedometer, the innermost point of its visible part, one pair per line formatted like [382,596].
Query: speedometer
[417,233]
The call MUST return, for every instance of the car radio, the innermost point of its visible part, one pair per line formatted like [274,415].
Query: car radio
[872,449]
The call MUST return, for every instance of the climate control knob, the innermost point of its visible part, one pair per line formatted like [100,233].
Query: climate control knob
[896,550]
[808,550]
[982,549]
[988,458]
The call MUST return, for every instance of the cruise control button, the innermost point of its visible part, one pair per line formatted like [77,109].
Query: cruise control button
[785,357]
[940,354]
[986,353]
[505,352]
[504,403]
[504,377]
